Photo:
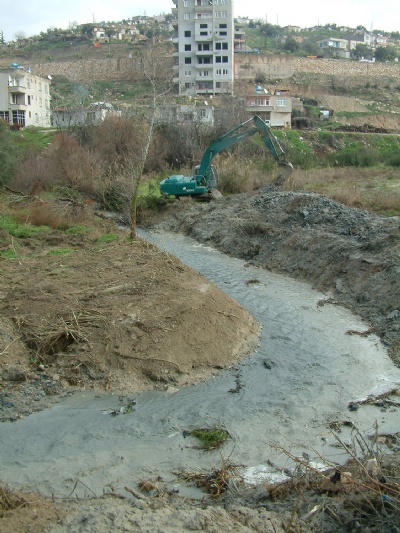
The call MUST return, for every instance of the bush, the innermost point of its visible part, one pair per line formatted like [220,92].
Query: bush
[7,154]
[356,157]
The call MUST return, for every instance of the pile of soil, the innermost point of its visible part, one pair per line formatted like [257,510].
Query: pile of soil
[83,312]
[365,128]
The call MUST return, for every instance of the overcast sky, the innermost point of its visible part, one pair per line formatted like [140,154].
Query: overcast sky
[34,16]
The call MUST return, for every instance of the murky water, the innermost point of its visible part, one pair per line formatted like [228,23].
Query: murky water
[302,377]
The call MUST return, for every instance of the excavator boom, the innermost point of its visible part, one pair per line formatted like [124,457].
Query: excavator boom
[205,177]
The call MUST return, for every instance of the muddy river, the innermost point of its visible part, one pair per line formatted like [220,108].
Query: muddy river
[288,394]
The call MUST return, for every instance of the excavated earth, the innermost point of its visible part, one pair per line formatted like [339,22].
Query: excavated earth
[104,316]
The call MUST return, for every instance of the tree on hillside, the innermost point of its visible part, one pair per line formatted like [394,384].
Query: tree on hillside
[87,29]
[362,50]
[291,45]
[385,53]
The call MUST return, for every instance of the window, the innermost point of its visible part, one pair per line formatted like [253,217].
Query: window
[187,85]
[218,59]
[223,26]
[221,46]
[281,102]
[224,14]
[186,3]
[203,113]
[204,73]
[186,16]
[29,99]
[224,71]
[188,33]
[218,85]
[223,33]
[203,33]
[217,14]
[224,59]
[203,26]
[188,72]
[188,47]
[188,60]
[204,47]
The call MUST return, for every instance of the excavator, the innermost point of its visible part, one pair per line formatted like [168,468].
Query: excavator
[202,184]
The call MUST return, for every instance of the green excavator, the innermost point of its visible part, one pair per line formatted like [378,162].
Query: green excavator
[202,184]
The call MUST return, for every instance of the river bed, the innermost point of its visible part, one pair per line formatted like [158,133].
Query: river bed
[288,394]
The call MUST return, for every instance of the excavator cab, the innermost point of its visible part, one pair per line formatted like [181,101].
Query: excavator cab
[210,178]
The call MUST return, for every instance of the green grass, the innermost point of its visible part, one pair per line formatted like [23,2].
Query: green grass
[76,229]
[32,139]
[12,227]
[210,438]
[107,237]
[8,254]
[61,251]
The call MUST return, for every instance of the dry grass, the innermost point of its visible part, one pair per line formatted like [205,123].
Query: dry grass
[377,190]
[216,481]
[10,500]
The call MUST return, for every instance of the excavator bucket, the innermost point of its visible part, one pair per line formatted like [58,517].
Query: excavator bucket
[286,170]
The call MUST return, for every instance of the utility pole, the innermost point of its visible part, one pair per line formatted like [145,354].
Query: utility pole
[266,31]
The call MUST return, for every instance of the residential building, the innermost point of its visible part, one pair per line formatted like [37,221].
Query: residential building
[274,107]
[203,40]
[24,97]
[185,114]
[341,47]
[67,117]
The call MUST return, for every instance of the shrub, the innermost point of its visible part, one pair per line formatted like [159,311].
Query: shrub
[7,154]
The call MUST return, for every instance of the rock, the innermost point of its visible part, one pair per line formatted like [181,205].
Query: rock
[14,374]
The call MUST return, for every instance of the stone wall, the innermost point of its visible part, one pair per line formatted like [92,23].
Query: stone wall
[250,66]
[342,67]
[85,71]
[247,66]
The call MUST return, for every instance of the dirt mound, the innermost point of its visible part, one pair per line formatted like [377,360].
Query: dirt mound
[82,313]
[365,128]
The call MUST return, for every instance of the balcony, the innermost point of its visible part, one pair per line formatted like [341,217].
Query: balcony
[204,66]
[16,89]
[18,107]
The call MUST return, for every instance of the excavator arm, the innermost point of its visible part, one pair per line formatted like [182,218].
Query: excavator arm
[232,137]
[204,179]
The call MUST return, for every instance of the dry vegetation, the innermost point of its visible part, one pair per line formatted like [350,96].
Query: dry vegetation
[376,190]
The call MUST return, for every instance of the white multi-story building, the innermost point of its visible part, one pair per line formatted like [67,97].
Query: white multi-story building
[204,33]
[24,98]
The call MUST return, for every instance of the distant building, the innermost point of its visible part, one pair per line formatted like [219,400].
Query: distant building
[67,117]
[185,114]
[341,47]
[275,107]
[24,97]
[203,40]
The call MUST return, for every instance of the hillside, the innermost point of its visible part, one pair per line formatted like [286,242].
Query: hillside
[358,93]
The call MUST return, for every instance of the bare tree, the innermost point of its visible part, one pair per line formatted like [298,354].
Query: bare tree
[158,73]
